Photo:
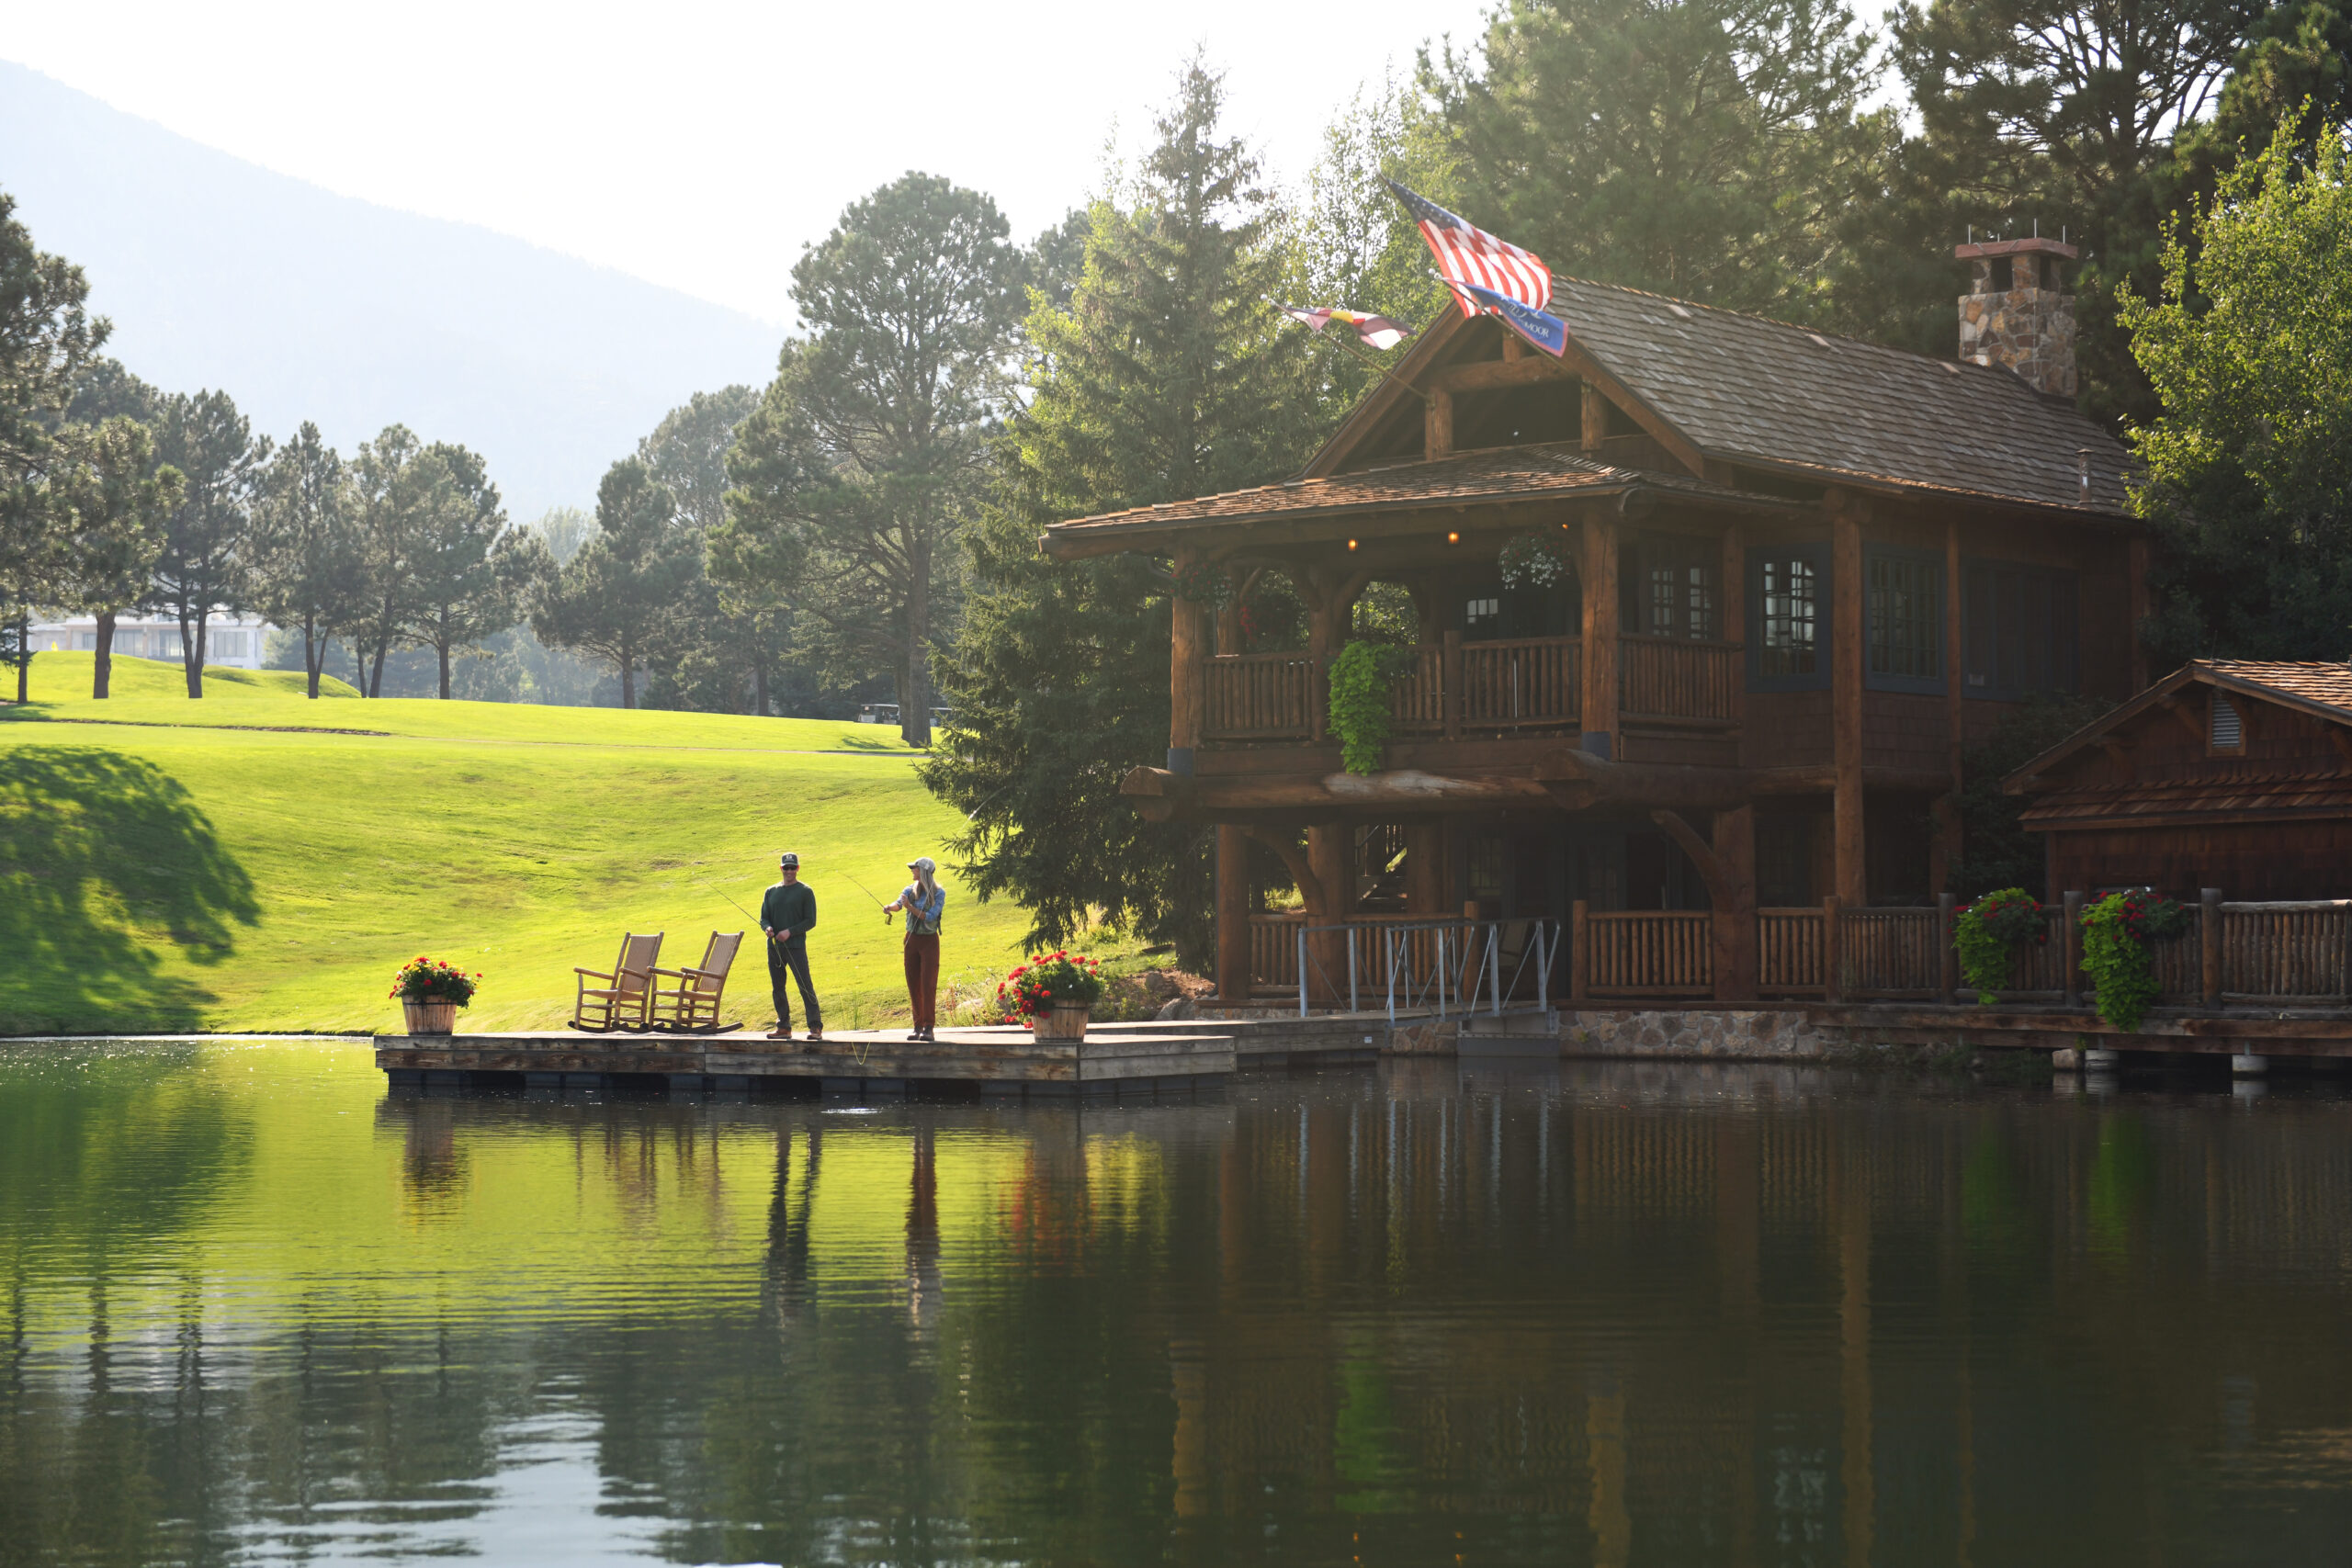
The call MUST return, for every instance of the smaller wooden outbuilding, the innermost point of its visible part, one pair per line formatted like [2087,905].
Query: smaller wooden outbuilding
[2227,773]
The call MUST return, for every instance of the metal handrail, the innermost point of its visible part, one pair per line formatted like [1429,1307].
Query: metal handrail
[1481,963]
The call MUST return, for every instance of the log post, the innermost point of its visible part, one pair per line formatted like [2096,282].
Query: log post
[1233,976]
[1732,623]
[1846,648]
[1955,690]
[1450,681]
[1579,953]
[1833,951]
[2208,941]
[1592,416]
[1437,425]
[1330,851]
[1599,585]
[1424,868]
[2072,903]
[1947,954]
[1734,913]
[1187,676]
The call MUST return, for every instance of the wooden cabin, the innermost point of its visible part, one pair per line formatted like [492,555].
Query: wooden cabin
[1801,572]
[2229,775]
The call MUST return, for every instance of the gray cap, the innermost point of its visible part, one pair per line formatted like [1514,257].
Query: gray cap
[788,858]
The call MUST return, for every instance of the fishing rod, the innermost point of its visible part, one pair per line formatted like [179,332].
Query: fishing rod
[861,886]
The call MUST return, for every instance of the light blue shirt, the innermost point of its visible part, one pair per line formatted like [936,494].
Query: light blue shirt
[922,914]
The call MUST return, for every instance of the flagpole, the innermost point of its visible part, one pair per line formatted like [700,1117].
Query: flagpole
[1356,353]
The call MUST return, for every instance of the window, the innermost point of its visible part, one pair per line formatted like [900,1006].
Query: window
[1483,617]
[2020,626]
[2229,727]
[1906,592]
[1788,607]
[1677,587]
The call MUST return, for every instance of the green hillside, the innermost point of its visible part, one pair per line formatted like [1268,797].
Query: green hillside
[244,862]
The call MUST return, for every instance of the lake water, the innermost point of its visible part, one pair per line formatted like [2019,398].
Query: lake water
[254,1306]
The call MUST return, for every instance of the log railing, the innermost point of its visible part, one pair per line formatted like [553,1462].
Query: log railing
[1665,677]
[1259,696]
[1416,700]
[1528,680]
[2264,954]
[1642,953]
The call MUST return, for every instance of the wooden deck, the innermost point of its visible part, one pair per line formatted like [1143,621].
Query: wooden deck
[1112,1058]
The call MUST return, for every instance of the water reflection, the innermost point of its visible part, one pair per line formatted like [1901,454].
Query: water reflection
[258,1307]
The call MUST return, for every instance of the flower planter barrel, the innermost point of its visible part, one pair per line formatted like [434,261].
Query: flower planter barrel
[429,1018]
[1062,1022]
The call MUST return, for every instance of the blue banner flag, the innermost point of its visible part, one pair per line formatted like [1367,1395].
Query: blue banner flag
[1541,328]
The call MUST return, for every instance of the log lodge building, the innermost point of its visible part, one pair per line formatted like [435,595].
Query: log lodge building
[1806,572]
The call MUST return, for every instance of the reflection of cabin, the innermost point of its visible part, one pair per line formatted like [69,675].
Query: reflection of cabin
[2235,775]
[1800,571]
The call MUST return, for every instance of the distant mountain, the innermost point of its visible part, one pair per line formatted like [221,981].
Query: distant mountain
[302,304]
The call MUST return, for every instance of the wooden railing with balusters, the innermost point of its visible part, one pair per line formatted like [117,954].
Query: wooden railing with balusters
[1416,700]
[2287,952]
[1642,953]
[1680,678]
[1522,683]
[1259,696]
[1790,951]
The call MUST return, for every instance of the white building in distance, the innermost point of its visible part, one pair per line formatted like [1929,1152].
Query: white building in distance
[239,642]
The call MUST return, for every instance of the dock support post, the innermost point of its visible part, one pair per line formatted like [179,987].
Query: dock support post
[1352,969]
[1947,955]
[2208,943]
[1495,969]
[1579,953]
[1542,970]
[1833,951]
[1391,941]
[1302,968]
[2072,927]
[2246,1065]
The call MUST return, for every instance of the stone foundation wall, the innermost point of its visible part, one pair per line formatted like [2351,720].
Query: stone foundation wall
[1429,1037]
[1693,1033]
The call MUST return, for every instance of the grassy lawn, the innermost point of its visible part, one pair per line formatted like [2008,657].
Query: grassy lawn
[234,864]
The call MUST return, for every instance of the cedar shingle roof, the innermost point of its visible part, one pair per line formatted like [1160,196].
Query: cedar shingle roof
[1743,386]
[2311,681]
[2158,803]
[1502,473]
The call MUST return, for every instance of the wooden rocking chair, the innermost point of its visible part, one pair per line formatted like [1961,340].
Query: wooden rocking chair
[621,1001]
[691,1007]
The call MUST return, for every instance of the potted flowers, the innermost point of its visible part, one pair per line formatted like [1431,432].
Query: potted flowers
[431,992]
[1053,994]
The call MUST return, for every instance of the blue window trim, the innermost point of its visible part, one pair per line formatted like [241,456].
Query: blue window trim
[1815,554]
[2072,657]
[1930,685]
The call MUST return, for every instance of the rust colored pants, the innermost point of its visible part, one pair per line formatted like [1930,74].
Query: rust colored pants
[922,979]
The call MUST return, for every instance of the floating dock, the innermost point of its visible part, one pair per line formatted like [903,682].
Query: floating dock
[1112,1059]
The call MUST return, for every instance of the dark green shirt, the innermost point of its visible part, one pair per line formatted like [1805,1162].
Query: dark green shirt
[789,907]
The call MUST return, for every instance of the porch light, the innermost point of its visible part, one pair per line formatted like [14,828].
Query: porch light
[1351,544]
[1454,538]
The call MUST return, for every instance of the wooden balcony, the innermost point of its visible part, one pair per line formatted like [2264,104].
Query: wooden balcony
[1517,685]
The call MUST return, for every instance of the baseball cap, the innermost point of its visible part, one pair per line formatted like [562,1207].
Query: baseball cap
[788,858]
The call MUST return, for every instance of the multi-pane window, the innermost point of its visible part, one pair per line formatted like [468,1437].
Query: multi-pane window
[1482,617]
[1906,623]
[1787,623]
[2020,630]
[1678,587]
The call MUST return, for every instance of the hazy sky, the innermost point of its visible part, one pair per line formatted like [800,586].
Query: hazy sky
[700,143]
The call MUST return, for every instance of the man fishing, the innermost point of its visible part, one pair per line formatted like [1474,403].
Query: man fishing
[786,914]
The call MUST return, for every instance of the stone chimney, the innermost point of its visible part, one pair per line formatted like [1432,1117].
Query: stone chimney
[2017,311]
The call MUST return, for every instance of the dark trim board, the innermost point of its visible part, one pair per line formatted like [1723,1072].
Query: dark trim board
[1137,1054]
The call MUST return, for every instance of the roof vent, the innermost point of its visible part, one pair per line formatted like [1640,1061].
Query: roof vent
[2228,730]
[1818,339]
[1682,310]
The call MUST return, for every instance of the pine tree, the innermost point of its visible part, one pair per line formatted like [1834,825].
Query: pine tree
[610,598]
[308,564]
[202,570]
[110,502]
[1168,375]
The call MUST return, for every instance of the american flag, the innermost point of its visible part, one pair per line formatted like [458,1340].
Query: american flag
[1467,255]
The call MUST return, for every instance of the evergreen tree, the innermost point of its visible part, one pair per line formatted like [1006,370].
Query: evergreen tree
[202,570]
[1167,376]
[610,598]
[865,454]
[1700,148]
[466,569]
[711,653]
[307,560]
[388,487]
[110,502]
[46,342]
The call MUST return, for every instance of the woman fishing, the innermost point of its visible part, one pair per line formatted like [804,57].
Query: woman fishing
[922,899]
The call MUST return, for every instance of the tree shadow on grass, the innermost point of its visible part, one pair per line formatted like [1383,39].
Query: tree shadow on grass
[105,862]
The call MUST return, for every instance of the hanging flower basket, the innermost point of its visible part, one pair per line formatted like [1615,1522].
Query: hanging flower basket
[1535,560]
[1990,933]
[2117,931]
